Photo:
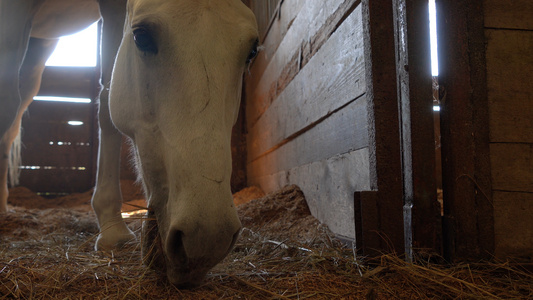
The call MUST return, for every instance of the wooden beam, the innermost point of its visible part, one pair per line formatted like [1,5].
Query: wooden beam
[422,226]
[383,231]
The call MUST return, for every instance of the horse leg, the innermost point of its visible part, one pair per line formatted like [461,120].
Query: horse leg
[107,198]
[15,26]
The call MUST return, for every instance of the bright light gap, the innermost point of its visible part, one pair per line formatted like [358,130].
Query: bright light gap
[433,38]
[52,168]
[60,143]
[77,50]
[62,99]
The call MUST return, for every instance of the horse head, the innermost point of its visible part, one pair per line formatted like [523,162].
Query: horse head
[175,92]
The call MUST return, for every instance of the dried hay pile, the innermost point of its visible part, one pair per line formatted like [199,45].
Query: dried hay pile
[283,252]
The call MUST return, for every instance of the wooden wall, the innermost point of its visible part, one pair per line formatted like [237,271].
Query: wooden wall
[58,158]
[306,110]
[509,54]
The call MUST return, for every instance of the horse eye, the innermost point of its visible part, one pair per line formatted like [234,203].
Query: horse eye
[144,40]
[253,53]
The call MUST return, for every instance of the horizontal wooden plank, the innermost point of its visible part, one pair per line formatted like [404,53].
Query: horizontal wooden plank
[338,77]
[512,167]
[285,64]
[514,14]
[69,82]
[513,224]
[59,112]
[509,68]
[342,132]
[280,25]
[56,180]
[328,186]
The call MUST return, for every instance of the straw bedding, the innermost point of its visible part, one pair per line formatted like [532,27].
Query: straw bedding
[283,252]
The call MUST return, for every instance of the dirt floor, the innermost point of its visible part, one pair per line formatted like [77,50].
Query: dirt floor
[46,252]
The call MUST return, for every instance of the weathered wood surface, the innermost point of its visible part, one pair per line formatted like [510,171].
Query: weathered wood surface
[333,78]
[381,211]
[328,186]
[63,154]
[513,224]
[421,214]
[342,132]
[509,81]
[310,23]
[306,109]
[514,14]
[468,216]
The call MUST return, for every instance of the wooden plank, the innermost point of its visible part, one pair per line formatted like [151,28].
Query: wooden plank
[386,212]
[337,74]
[509,69]
[57,180]
[421,217]
[78,82]
[285,64]
[513,225]
[328,186]
[283,21]
[54,150]
[512,167]
[344,131]
[465,134]
[514,14]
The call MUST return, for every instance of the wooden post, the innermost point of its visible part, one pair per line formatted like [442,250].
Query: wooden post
[421,210]
[468,224]
[383,231]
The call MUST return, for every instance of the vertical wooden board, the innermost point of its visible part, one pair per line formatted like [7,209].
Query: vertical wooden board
[513,225]
[512,167]
[515,14]
[465,130]
[509,69]
[337,74]
[385,207]
[328,186]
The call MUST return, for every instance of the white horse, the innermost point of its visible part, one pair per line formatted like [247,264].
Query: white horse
[175,91]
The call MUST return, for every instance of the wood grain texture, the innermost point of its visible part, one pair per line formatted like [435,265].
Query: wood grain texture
[329,186]
[65,166]
[509,69]
[342,132]
[514,14]
[284,64]
[331,79]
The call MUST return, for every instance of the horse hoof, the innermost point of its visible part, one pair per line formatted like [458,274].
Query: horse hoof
[114,237]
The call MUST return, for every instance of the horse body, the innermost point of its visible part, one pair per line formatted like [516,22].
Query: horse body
[175,92]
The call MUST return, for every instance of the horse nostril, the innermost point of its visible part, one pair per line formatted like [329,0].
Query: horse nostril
[176,249]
